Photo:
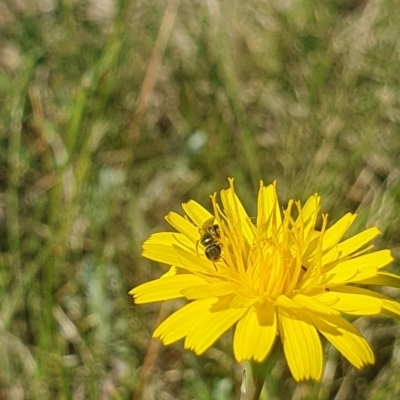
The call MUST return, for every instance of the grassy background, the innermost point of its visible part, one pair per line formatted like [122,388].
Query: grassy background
[114,112]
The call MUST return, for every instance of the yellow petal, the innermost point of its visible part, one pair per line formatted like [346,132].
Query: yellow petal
[172,272]
[166,288]
[208,326]
[345,338]
[314,304]
[305,222]
[196,212]
[191,261]
[336,231]
[301,345]
[254,338]
[371,299]
[356,301]
[160,247]
[383,279]
[268,212]
[237,215]
[309,209]
[391,309]
[287,303]
[183,225]
[351,270]
[334,254]
[240,300]
[178,324]
[347,289]
[351,276]
[168,239]
[215,289]
[354,243]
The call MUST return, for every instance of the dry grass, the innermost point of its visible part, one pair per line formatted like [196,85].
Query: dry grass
[114,112]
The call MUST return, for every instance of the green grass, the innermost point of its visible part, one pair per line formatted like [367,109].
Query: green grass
[92,159]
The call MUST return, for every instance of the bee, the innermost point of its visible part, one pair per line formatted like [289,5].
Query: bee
[210,239]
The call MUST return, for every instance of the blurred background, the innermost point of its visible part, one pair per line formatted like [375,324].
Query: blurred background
[114,112]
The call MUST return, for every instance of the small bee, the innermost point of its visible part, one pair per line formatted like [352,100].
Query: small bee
[211,240]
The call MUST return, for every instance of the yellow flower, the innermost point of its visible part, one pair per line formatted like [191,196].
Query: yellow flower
[277,276]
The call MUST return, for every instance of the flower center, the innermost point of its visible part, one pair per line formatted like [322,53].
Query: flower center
[273,268]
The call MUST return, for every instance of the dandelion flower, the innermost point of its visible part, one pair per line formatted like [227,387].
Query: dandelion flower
[277,277]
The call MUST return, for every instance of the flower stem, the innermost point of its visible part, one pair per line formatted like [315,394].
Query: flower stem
[253,381]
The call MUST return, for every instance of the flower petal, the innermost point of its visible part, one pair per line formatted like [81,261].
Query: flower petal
[268,213]
[173,271]
[345,338]
[382,279]
[183,225]
[356,301]
[352,270]
[208,326]
[254,339]
[216,289]
[336,231]
[315,305]
[305,222]
[178,324]
[166,288]
[391,309]
[160,247]
[193,262]
[301,345]
[310,208]
[237,215]
[196,212]
[388,306]
[354,243]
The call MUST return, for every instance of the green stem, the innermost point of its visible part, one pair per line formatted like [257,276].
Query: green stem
[253,381]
